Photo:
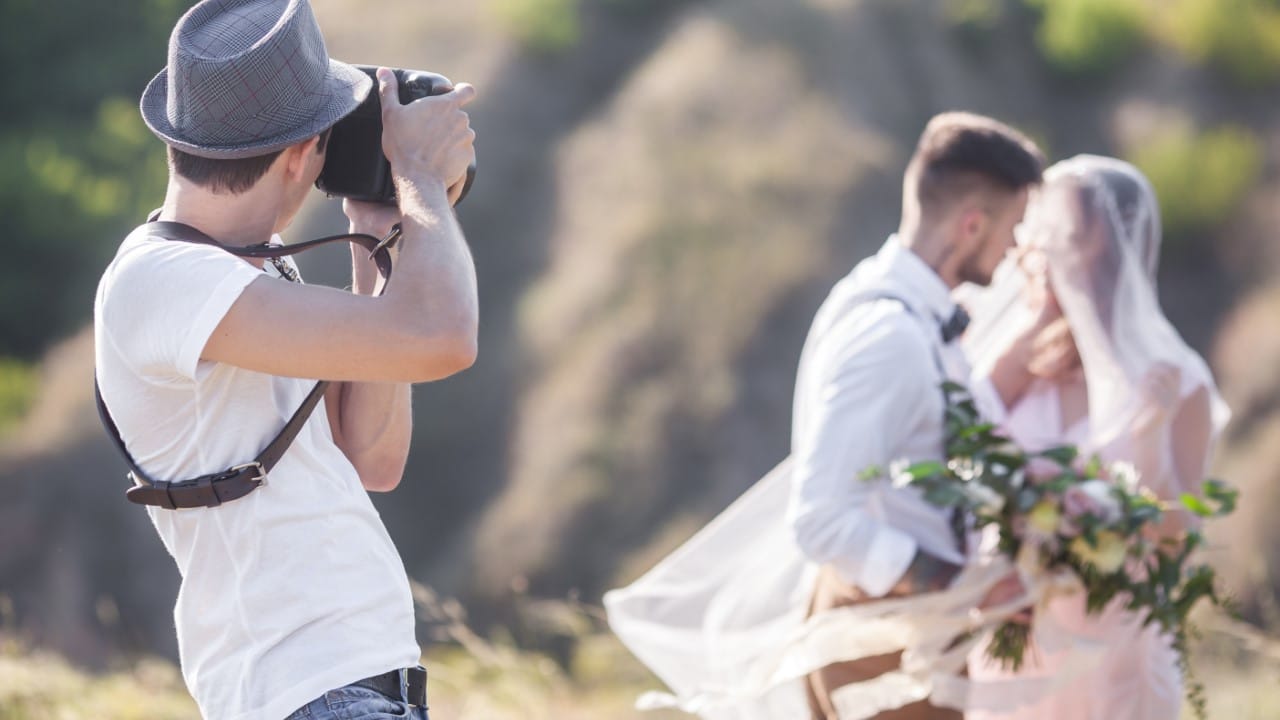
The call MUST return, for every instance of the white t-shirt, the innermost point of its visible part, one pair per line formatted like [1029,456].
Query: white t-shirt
[292,590]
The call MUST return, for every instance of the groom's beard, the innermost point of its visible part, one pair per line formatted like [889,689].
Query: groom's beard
[971,271]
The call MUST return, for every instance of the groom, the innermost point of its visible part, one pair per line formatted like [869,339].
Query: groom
[868,389]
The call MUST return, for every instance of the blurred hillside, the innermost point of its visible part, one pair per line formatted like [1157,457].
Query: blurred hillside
[667,190]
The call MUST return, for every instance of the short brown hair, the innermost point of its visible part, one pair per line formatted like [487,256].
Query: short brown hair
[230,176]
[962,152]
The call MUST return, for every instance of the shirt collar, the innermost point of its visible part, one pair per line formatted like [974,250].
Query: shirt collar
[926,290]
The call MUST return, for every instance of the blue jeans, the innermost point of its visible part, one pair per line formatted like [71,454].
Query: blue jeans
[355,702]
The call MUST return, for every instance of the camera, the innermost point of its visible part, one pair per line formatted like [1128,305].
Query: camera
[354,165]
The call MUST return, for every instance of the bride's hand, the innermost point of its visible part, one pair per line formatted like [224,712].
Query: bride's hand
[1054,355]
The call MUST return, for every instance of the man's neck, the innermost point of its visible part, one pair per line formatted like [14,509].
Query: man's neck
[245,219]
[936,250]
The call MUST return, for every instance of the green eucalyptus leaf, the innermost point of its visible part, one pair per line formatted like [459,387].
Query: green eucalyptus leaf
[1064,455]
[1223,494]
[1196,505]
[927,469]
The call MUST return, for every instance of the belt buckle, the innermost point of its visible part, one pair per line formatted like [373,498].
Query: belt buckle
[415,685]
[261,478]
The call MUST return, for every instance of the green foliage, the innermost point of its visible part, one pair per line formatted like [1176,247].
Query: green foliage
[546,26]
[973,20]
[1241,37]
[77,166]
[17,390]
[1088,37]
[1200,178]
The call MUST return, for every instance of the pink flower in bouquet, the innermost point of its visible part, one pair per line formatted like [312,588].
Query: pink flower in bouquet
[1091,497]
[1041,470]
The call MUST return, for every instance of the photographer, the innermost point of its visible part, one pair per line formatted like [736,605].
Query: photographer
[293,599]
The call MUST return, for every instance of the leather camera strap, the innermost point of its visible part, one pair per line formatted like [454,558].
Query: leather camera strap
[240,480]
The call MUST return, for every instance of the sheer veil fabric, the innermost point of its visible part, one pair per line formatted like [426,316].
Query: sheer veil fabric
[1096,225]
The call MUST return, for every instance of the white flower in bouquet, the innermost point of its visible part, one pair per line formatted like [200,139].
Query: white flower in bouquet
[985,498]
[899,476]
[965,468]
[1126,476]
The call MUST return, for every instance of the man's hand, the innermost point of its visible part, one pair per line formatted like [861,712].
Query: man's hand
[429,142]
[925,574]
[373,219]
[1045,347]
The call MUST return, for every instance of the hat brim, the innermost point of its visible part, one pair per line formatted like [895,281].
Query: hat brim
[346,88]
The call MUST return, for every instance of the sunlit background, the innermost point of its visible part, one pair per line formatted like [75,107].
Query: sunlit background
[666,191]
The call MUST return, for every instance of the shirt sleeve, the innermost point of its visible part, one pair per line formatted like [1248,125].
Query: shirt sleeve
[866,391]
[987,399]
[164,300]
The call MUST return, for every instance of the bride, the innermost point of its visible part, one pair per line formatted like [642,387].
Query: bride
[1114,378]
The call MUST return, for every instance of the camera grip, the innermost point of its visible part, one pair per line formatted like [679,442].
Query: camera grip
[355,166]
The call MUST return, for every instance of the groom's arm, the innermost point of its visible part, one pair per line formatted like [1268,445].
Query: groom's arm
[875,387]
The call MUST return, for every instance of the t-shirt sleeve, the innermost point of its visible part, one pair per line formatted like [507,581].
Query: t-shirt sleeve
[164,300]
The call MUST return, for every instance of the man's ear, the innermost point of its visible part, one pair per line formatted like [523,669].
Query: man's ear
[974,222]
[297,156]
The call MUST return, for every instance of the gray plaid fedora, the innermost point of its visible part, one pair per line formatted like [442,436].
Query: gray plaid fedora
[248,77]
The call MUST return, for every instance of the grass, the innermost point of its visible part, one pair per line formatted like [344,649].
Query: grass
[18,385]
[475,678]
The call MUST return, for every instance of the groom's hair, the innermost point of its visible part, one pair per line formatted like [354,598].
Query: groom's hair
[960,153]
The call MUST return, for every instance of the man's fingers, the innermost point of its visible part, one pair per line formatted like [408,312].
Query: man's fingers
[463,94]
[388,88]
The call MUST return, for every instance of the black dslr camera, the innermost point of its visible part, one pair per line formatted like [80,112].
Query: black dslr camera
[354,166]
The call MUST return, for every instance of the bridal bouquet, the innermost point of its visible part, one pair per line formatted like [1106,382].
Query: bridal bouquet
[1057,511]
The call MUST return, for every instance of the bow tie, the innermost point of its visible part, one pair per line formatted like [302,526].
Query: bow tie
[955,325]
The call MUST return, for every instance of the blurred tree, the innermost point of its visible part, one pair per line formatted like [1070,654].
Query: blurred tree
[77,166]
[1200,178]
[546,26]
[1088,37]
[1241,37]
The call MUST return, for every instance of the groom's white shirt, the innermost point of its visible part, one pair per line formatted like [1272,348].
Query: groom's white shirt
[868,393]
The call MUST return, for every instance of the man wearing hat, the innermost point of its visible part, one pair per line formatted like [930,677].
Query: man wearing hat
[294,602]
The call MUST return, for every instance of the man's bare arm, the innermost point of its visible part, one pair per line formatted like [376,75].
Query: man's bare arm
[372,422]
[424,326]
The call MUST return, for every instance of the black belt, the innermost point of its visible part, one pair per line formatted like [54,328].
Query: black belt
[406,685]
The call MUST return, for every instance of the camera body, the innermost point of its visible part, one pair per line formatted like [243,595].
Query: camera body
[354,165]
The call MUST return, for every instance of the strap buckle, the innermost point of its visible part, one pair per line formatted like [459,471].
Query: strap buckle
[260,478]
[388,241]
